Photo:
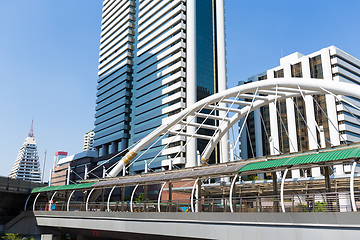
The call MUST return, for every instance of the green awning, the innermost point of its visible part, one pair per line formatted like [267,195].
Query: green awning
[304,159]
[63,187]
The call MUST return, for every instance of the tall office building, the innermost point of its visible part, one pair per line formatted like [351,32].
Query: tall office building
[156,58]
[89,141]
[27,165]
[336,122]
[59,155]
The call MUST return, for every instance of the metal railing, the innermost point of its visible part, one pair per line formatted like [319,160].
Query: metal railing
[315,202]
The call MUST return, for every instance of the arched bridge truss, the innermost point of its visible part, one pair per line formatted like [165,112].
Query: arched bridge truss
[228,108]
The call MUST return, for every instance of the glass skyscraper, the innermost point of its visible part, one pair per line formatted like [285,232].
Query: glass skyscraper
[156,58]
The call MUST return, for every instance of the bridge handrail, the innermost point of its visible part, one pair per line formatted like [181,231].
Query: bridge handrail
[311,202]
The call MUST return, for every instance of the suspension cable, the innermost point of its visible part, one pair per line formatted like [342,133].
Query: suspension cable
[203,122]
[317,103]
[221,122]
[263,123]
[233,137]
[283,125]
[116,155]
[307,126]
[174,137]
[251,147]
[247,114]
[347,102]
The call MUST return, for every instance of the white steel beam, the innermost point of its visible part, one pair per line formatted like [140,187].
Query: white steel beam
[352,195]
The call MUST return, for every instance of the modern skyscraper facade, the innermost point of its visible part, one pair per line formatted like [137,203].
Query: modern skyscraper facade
[156,58]
[27,165]
[291,127]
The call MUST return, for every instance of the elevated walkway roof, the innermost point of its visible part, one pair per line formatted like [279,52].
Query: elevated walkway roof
[314,158]
[249,166]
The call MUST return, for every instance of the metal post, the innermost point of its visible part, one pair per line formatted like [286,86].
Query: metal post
[170,194]
[35,201]
[145,197]
[27,200]
[87,200]
[352,195]
[170,164]
[122,198]
[68,202]
[192,195]
[104,172]
[108,201]
[198,197]
[132,198]
[159,198]
[50,176]
[327,179]
[124,170]
[282,190]
[68,175]
[52,197]
[86,172]
[275,192]
[102,199]
[231,192]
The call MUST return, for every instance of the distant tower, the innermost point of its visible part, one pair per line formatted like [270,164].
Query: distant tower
[27,165]
[59,155]
[89,140]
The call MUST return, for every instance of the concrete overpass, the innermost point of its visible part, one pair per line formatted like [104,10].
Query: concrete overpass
[224,226]
[13,195]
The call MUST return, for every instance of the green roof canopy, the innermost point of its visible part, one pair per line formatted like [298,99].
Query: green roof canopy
[304,159]
[63,187]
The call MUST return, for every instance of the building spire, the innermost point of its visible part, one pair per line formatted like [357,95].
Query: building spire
[31,133]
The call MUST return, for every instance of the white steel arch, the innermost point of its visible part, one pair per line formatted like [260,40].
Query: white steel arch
[258,94]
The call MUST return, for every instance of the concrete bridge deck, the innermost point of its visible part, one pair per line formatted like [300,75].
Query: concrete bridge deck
[223,226]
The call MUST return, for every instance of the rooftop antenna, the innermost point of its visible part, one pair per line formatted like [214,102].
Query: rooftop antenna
[43,173]
[31,133]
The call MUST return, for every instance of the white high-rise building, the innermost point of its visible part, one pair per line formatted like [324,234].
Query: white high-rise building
[27,165]
[310,122]
[89,141]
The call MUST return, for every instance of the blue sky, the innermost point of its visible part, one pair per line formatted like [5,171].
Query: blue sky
[49,57]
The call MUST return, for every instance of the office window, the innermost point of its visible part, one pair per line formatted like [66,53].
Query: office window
[316,67]
[296,70]
[279,73]
[262,77]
